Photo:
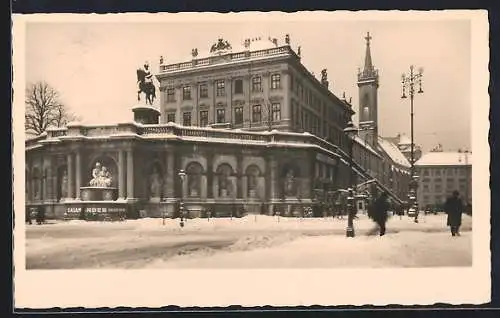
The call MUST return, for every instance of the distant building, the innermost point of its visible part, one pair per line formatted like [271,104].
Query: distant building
[440,173]
[404,145]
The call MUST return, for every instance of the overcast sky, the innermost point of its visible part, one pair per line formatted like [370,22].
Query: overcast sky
[93,64]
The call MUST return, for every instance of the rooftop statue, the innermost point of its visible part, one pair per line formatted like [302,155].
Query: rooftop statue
[221,45]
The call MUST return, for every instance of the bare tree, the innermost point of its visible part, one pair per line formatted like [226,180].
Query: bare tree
[44,109]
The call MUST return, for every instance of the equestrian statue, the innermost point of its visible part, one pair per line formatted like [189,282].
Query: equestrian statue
[145,84]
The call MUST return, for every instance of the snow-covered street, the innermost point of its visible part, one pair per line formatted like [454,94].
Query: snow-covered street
[250,242]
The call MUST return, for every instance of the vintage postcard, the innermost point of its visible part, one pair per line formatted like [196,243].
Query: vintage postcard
[284,159]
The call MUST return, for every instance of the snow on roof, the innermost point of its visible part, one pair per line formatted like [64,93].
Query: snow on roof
[445,159]
[364,144]
[393,152]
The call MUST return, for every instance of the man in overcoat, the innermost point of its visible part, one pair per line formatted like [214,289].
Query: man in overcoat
[454,208]
[379,213]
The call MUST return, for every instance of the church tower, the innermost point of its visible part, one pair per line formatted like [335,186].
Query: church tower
[368,91]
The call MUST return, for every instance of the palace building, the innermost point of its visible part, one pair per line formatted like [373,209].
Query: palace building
[245,128]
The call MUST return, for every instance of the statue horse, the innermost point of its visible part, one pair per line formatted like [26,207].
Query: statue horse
[148,88]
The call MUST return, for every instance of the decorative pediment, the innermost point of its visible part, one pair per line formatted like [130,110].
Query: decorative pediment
[257,100]
[204,106]
[276,98]
[220,105]
[238,102]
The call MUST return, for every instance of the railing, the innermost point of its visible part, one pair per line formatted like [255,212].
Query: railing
[226,57]
[188,133]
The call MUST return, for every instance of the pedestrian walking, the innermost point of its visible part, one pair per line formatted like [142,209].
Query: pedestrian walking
[454,208]
[379,212]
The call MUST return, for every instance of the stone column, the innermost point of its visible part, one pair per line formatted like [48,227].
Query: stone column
[272,182]
[239,176]
[43,179]
[130,174]
[71,171]
[170,176]
[210,175]
[121,174]
[78,163]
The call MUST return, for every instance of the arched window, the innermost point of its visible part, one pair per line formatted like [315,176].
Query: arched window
[194,173]
[224,171]
[253,174]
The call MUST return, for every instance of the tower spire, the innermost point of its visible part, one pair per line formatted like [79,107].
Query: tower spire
[369,72]
[368,57]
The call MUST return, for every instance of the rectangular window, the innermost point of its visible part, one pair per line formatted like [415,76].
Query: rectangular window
[256,113]
[275,81]
[426,172]
[276,108]
[462,172]
[426,198]
[171,118]
[204,118]
[437,172]
[426,188]
[238,86]
[438,199]
[221,116]
[170,94]
[203,90]
[238,115]
[186,93]
[450,172]
[186,119]
[221,87]
[257,84]
[438,188]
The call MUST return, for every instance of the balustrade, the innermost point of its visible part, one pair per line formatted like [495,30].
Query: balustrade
[226,57]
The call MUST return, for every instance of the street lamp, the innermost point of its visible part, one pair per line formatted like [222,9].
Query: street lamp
[408,82]
[182,176]
[351,132]
[466,169]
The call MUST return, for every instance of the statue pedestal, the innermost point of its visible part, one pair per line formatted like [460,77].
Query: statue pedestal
[98,193]
[155,199]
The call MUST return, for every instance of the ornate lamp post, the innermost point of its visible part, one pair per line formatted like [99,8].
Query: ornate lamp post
[351,132]
[182,176]
[408,83]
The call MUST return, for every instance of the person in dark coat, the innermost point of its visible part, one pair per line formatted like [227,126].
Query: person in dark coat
[379,212]
[454,208]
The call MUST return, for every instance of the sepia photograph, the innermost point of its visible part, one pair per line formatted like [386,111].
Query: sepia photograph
[253,141]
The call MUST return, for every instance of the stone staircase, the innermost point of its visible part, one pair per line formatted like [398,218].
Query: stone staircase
[368,179]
